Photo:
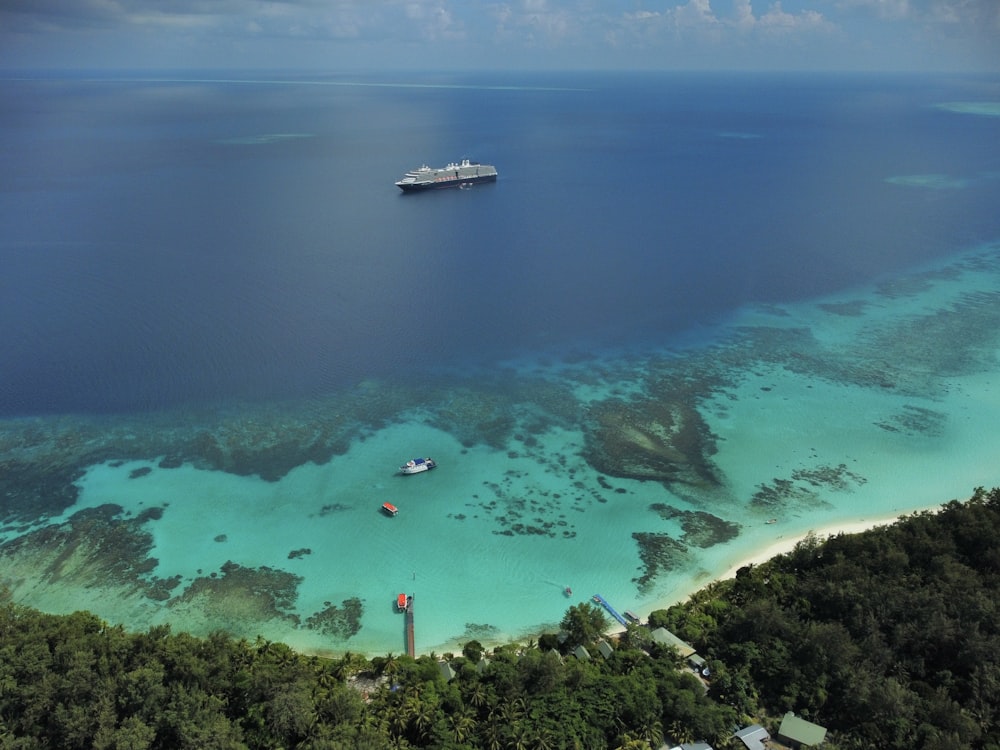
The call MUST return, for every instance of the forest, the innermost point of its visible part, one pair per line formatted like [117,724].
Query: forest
[888,639]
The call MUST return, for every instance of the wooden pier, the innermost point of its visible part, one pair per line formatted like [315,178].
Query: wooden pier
[410,648]
[611,610]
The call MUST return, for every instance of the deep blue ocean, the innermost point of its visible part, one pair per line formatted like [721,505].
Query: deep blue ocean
[189,239]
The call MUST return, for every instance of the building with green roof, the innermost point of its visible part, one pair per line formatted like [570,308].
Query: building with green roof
[799,732]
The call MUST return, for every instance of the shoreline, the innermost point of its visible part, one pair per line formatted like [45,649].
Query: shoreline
[778,546]
[782,545]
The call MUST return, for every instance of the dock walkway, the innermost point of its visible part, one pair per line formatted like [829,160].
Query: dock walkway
[410,647]
[611,610]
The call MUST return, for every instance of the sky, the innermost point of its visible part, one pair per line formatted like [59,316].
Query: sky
[358,35]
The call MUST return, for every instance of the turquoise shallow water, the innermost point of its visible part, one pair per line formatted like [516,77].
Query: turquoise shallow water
[637,474]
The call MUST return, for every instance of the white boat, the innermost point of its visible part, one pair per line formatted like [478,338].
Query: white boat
[417,465]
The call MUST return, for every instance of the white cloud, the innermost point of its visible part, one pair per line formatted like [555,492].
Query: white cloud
[534,21]
[696,13]
[565,32]
[984,14]
[434,20]
[554,24]
[699,16]
[886,9]
[776,20]
[743,12]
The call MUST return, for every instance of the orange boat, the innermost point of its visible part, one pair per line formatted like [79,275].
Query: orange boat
[390,509]
[401,602]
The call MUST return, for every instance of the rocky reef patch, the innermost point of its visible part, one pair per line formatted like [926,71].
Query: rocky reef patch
[664,440]
[527,511]
[701,529]
[957,340]
[337,622]
[915,420]
[803,489]
[659,553]
[852,309]
[94,548]
[475,631]
[242,599]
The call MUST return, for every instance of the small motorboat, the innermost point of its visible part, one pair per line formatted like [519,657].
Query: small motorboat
[417,465]
[568,591]
[401,602]
[390,509]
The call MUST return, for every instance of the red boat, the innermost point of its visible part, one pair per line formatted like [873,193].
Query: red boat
[390,509]
[401,602]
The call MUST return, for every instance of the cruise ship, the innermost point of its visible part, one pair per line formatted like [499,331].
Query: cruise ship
[454,175]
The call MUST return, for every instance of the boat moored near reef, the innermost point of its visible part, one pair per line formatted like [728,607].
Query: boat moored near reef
[454,175]
[417,465]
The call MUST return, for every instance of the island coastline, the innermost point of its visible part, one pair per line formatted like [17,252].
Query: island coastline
[781,545]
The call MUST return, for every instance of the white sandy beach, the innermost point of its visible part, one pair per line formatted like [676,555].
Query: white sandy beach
[786,543]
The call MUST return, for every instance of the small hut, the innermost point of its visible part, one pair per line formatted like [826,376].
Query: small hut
[799,733]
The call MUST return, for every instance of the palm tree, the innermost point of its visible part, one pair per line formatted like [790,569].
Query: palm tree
[680,732]
[653,733]
[513,710]
[398,722]
[423,719]
[477,694]
[519,738]
[461,725]
[493,739]
[418,713]
[390,665]
[543,740]
[630,742]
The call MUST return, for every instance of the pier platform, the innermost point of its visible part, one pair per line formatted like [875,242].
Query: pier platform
[410,647]
[611,610]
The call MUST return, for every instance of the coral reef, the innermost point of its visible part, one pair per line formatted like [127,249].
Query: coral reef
[242,598]
[915,420]
[659,553]
[701,529]
[665,440]
[852,309]
[338,622]
[801,489]
[95,547]
[532,512]
[475,631]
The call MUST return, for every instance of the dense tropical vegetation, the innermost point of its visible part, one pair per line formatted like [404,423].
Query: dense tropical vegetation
[889,638]
[75,682]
